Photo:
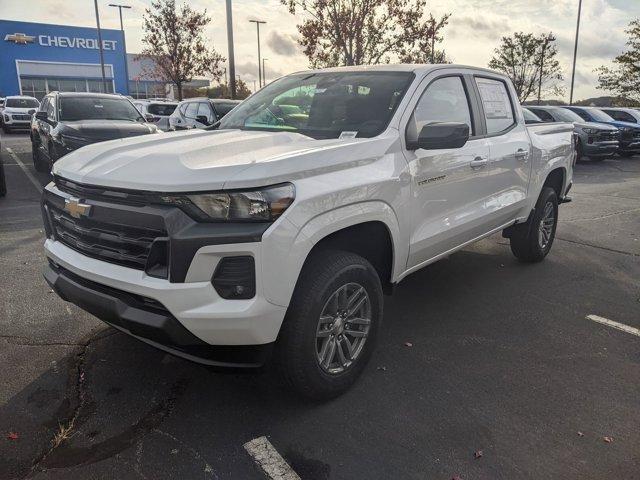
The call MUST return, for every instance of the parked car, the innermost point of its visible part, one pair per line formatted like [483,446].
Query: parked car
[157,111]
[266,238]
[3,182]
[200,112]
[594,140]
[630,115]
[67,121]
[2,100]
[629,132]
[17,112]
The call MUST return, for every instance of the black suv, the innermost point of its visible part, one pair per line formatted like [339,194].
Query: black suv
[67,121]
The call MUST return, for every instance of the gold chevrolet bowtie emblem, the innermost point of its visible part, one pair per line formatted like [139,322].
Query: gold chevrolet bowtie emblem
[76,209]
[19,38]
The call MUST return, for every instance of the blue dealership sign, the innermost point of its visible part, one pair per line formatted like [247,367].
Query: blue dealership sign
[36,58]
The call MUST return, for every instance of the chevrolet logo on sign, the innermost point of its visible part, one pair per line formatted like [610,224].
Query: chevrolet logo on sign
[76,209]
[19,38]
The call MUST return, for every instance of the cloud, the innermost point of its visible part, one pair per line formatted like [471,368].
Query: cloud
[248,71]
[492,28]
[283,44]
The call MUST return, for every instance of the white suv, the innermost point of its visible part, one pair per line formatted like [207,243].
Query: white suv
[275,235]
[17,112]
[156,111]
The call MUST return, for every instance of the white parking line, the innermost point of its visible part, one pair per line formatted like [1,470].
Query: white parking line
[616,325]
[265,455]
[26,171]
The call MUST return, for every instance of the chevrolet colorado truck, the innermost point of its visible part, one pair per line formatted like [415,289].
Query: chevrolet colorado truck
[273,236]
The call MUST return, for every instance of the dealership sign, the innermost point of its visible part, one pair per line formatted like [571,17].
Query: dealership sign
[61,41]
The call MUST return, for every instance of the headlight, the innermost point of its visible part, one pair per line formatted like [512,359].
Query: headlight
[625,129]
[261,205]
[6,118]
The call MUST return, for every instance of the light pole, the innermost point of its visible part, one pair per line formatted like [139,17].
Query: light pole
[124,43]
[575,52]
[264,72]
[232,63]
[104,81]
[258,22]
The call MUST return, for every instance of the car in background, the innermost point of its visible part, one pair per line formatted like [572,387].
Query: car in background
[530,118]
[629,132]
[3,182]
[630,115]
[17,112]
[200,112]
[67,121]
[594,140]
[2,100]
[156,111]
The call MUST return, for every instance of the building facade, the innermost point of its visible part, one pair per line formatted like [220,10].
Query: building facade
[37,58]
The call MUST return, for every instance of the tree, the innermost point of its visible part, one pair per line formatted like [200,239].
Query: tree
[624,78]
[174,40]
[361,32]
[530,62]
[223,91]
[423,49]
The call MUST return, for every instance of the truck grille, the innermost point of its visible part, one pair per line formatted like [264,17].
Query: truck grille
[20,117]
[110,242]
[609,135]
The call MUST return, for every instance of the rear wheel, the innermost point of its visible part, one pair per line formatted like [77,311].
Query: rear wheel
[331,325]
[532,241]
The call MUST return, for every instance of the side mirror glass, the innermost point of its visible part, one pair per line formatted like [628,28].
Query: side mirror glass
[202,119]
[41,116]
[149,118]
[441,135]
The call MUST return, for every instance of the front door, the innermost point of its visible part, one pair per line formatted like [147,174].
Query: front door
[449,186]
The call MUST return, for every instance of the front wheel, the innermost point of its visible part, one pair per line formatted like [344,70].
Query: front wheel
[531,241]
[331,326]
[39,163]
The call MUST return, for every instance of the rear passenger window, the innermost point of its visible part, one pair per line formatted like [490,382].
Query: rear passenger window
[444,100]
[498,111]
[191,111]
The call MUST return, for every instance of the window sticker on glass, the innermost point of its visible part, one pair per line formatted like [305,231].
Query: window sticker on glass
[348,135]
[495,101]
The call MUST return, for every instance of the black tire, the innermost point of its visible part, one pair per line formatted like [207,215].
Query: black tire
[579,152]
[298,347]
[627,154]
[3,184]
[39,163]
[526,243]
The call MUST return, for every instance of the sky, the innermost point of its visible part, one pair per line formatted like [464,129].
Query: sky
[474,29]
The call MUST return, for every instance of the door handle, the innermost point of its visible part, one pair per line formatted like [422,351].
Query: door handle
[478,162]
[521,154]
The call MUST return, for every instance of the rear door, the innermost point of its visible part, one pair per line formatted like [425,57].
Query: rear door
[449,186]
[509,151]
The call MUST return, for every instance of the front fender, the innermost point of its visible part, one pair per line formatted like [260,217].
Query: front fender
[282,271]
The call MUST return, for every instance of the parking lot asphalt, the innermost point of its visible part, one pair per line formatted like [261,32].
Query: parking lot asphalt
[505,377]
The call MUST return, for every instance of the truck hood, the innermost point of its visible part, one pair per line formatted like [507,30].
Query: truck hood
[100,130]
[595,125]
[198,160]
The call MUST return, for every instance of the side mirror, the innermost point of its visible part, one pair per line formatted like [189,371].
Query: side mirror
[202,119]
[41,116]
[441,135]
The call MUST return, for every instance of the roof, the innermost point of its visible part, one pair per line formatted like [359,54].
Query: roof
[204,99]
[400,67]
[89,94]
[19,96]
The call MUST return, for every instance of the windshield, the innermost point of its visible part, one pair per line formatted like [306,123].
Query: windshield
[530,117]
[564,115]
[324,105]
[98,108]
[22,103]
[600,116]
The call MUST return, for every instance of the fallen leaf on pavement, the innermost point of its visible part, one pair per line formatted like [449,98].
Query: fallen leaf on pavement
[408,344]
[608,439]
[580,434]
[383,368]
[13,436]
[477,454]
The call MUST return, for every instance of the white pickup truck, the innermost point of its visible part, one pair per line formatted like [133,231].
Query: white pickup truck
[273,236]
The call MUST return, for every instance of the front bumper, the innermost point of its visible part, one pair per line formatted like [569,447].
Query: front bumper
[602,148]
[149,321]
[195,305]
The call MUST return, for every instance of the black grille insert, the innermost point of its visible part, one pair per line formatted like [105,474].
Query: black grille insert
[114,243]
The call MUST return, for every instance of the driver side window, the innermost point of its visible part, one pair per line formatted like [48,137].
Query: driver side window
[444,100]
